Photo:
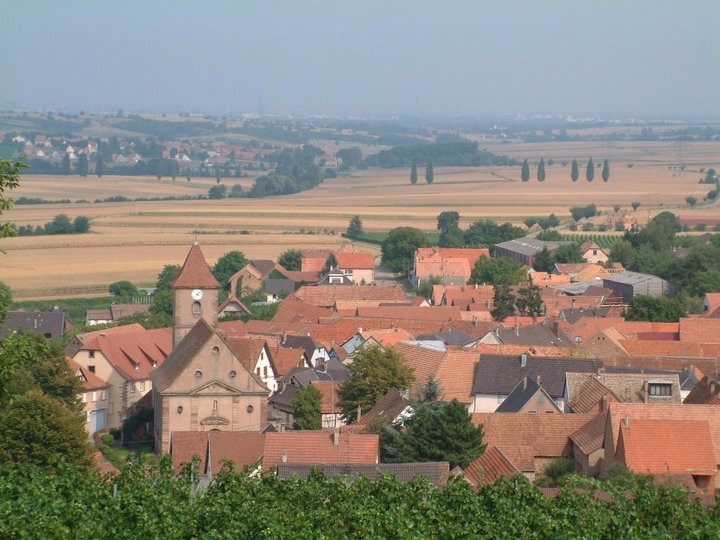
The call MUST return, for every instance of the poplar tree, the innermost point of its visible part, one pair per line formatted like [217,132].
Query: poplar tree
[525,174]
[575,171]
[606,171]
[590,171]
[429,173]
[541,170]
[413,174]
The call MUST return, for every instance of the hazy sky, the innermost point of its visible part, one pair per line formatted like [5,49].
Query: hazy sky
[478,58]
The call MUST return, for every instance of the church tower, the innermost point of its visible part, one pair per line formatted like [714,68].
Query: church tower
[195,295]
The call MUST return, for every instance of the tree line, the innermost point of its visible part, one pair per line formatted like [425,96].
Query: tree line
[455,153]
[61,224]
[574,170]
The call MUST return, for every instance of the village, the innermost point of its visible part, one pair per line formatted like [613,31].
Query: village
[578,384]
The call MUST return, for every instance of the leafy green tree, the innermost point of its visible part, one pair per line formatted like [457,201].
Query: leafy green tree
[525,171]
[374,372]
[450,234]
[503,302]
[496,271]
[228,265]
[162,305]
[355,228]
[692,201]
[543,260]
[217,192]
[123,289]
[99,165]
[575,171]
[635,205]
[330,263]
[569,253]
[351,157]
[398,248]
[307,407]
[81,224]
[66,164]
[590,170]
[236,191]
[429,173]
[606,171]
[60,224]
[413,174]
[36,429]
[291,259]
[9,179]
[529,302]
[541,170]
[82,165]
[648,308]
[425,289]
[440,432]
[5,300]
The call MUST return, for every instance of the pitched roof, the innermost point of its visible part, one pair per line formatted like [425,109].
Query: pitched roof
[243,448]
[318,447]
[441,313]
[388,407]
[296,310]
[435,471]
[521,395]
[706,391]
[90,381]
[329,391]
[134,355]
[589,437]
[355,260]
[182,354]
[184,445]
[48,323]
[586,392]
[284,359]
[327,295]
[195,272]
[700,329]
[247,349]
[535,334]
[667,447]
[500,374]
[491,466]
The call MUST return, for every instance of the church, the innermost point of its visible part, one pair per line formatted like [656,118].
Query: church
[202,385]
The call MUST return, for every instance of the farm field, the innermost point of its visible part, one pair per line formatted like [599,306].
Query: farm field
[134,240]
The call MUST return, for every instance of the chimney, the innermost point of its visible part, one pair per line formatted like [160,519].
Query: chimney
[284,457]
[627,421]
[603,404]
[359,413]
[336,438]
[517,327]
[284,339]
[525,380]
[538,379]
[523,360]
[573,303]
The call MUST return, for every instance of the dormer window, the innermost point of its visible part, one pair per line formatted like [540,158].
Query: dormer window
[660,389]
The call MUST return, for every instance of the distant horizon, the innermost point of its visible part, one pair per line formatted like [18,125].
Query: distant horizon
[473,59]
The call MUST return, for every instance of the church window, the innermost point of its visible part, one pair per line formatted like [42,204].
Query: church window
[198,374]
[197,310]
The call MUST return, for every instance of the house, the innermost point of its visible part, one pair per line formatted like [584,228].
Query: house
[705,392]
[125,357]
[489,467]
[50,324]
[360,264]
[232,307]
[587,441]
[593,253]
[497,376]
[524,249]
[529,397]
[203,385]
[94,398]
[320,447]
[627,284]
[393,407]
[531,335]
[711,304]
[277,289]
[337,276]
[114,313]
[452,265]
[214,448]
[254,353]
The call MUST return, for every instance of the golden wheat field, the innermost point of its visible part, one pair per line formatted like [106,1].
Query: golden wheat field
[134,240]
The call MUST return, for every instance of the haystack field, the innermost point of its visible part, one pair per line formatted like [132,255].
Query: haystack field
[134,240]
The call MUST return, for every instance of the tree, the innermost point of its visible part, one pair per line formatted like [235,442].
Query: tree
[503,303]
[569,253]
[425,288]
[83,165]
[543,261]
[217,192]
[429,173]
[398,249]
[374,372]
[351,157]
[355,228]
[648,308]
[541,170]
[291,259]
[692,201]
[529,302]
[36,429]
[496,271]
[525,171]
[635,205]
[307,408]
[590,170]
[575,171]
[218,177]
[440,432]
[66,164]
[5,300]
[60,224]
[228,265]
[450,234]
[413,174]
[330,263]
[606,171]
[99,165]
[81,224]
[123,289]
[9,179]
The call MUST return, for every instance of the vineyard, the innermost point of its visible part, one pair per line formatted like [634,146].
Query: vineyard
[605,241]
[153,502]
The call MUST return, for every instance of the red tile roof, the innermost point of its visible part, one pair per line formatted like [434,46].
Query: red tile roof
[184,445]
[327,295]
[90,381]
[243,448]
[706,391]
[491,466]
[700,329]
[195,272]
[443,313]
[667,447]
[318,447]
[589,437]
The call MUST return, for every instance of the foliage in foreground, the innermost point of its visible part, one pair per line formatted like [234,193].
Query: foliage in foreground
[147,501]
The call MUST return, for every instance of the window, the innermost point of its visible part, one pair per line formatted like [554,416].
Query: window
[660,389]
[142,386]
[265,371]
[132,387]
[94,394]
[541,398]
[84,397]
[91,369]
[197,309]
[91,354]
[103,395]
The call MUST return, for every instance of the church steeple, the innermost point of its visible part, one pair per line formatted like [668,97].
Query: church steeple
[195,295]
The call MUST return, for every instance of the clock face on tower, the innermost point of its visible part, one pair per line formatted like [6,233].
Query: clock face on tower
[197,294]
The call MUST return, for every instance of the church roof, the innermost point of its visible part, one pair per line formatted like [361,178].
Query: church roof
[195,272]
[182,354]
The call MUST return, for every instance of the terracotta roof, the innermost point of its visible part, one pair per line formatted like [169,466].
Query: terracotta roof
[471,255]
[632,412]
[455,374]
[387,336]
[243,448]
[90,381]
[329,391]
[491,466]
[296,310]
[184,445]
[587,392]
[442,313]
[508,349]
[327,295]
[133,355]
[706,391]
[700,329]
[667,447]
[195,272]
[662,348]
[318,447]
[353,261]
[284,359]
[424,362]
[247,349]
[388,407]
[523,436]
[590,436]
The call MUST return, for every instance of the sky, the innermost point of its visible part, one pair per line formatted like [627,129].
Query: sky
[478,59]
